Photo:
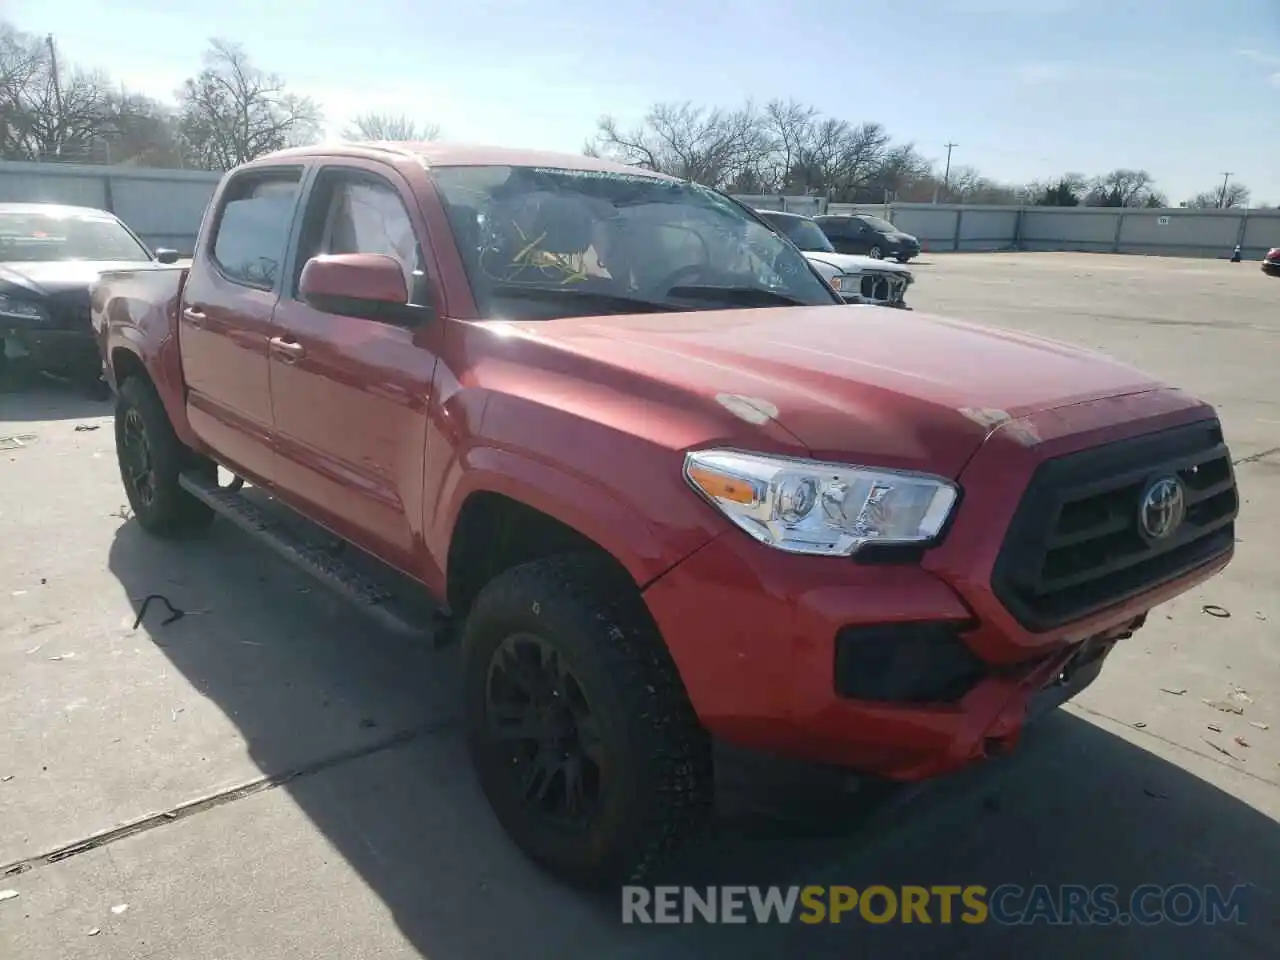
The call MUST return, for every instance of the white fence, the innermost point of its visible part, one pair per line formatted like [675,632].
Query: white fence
[973,227]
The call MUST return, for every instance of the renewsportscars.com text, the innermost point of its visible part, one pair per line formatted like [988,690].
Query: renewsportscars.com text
[1005,905]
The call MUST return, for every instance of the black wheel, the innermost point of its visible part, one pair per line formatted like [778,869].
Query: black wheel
[151,457]
[580,731]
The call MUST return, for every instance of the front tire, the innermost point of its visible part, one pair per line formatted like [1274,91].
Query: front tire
[875,253]
[151,457]
[581,733]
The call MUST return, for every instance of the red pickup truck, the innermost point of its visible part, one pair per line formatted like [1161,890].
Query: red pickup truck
[675,493]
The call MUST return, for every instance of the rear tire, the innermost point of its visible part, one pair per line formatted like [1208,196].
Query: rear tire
[875,253]
[581,733]
[151,457]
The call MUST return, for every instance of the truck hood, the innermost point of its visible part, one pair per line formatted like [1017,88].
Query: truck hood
[871,384]
[852,263]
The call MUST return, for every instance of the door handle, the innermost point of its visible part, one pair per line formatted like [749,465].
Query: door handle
[289,350]
[194,317]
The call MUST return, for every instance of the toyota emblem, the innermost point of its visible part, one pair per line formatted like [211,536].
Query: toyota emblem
[1162,508]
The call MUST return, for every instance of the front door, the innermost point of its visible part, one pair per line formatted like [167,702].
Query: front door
[224,319]
[350,396]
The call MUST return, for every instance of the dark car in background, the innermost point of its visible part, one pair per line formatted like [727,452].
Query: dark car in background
[50,257]
[872,236]
[1271,262]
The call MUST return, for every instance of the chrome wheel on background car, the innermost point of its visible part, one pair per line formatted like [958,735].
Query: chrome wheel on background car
[875,253]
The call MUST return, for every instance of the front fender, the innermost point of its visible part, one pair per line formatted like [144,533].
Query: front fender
[647,538]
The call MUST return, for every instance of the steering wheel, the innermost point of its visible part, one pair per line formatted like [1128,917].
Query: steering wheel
[681,276]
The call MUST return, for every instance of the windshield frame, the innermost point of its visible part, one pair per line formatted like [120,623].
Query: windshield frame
[56,213]
[481,305]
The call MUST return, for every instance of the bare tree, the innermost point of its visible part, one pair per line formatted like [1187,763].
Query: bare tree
[382,126]
[711,147]
[232,112]
[47,110]
[1124,188]
[1235,195]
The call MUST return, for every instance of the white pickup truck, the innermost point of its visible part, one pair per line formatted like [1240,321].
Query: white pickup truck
[857,279]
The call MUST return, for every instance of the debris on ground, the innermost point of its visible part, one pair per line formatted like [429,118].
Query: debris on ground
[123,513]
[8,894]
[6,778]
[119,908]
[1139,724]
[1213,610]
[1225,706]
[176,712]
[1214,727]
[1241,741]
[85,427]
[1176,691]
[63,656]
[1241,694]
[1259,724]
[94,932]
[1221,750]
[174,612]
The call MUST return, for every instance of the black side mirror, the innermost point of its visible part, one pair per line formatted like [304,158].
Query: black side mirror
[165,255]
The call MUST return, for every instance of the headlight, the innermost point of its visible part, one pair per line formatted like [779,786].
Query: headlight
[805,506]
[846,282]
[20,309]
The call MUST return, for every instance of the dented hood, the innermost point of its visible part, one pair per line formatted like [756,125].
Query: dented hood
[860,383]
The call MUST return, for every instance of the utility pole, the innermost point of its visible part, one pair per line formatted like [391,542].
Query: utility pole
[946,175]
[57,91]
[1222,197]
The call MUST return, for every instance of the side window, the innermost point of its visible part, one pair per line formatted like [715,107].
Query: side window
[351,212]
[253,226]
[832,227]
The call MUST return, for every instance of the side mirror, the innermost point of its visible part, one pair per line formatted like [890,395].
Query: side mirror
[370,286]
[165,255]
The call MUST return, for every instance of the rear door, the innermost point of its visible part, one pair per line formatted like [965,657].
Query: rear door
[351,395]
[224,322]
[840,232]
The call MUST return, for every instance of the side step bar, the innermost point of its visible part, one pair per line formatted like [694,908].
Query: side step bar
[318,560]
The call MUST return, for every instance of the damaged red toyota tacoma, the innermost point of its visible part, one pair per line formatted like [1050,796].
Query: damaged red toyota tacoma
[672,491]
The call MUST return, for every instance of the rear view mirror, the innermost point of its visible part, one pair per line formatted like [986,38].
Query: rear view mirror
[367,285]
[165,255]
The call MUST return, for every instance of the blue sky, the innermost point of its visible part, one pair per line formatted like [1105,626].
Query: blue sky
[1027,88]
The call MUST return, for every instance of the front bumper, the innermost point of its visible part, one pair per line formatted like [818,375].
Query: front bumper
[1271,267]
[72,351]
[754,631]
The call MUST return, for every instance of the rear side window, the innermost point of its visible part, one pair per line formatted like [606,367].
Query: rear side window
[834,227]
[253,226]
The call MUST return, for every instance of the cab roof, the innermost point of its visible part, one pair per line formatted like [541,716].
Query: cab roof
[437,153]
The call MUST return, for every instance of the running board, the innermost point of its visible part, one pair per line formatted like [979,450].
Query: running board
[318,559]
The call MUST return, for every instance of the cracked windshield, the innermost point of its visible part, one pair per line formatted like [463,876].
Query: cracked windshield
[687,480]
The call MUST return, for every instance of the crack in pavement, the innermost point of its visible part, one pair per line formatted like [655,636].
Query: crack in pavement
[1255,457]
[221,798]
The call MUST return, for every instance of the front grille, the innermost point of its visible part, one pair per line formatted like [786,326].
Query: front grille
[881,288]
[1076,543]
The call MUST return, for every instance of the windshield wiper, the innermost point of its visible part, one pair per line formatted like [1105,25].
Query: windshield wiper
[618,303]
[746,296]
